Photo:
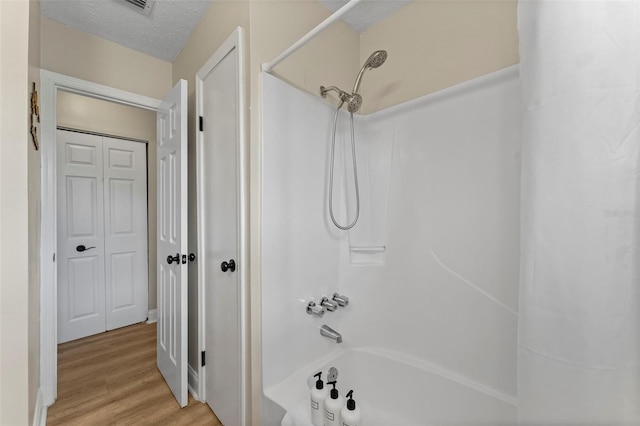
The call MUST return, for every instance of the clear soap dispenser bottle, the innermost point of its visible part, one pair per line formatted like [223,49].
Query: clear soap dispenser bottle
[318,395]
[332,406]
[350,413]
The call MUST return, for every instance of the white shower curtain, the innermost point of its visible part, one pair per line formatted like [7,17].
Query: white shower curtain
[579,330]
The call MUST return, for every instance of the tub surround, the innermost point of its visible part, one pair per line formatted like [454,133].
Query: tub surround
[441,184]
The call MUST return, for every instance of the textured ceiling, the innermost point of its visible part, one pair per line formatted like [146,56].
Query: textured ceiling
[161,34]
[367,13]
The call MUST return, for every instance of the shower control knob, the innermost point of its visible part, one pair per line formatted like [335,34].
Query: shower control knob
[313,309]
[340,300]
[228,266]
[328,304]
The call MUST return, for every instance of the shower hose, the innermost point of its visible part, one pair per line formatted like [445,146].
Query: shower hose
[355,172]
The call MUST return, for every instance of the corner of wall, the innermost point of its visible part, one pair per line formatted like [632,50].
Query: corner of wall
[35,394]
[15,399]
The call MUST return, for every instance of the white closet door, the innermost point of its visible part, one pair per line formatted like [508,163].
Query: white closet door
[81,283]
[102,234]
[125,225]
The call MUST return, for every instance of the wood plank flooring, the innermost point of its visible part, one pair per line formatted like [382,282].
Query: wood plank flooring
[112,379]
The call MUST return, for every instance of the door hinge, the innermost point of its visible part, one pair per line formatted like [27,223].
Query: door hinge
[202,363]
[201,123]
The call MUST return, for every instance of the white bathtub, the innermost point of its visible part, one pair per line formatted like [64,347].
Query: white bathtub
[393,389]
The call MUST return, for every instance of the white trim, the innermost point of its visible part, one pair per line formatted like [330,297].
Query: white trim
[152,316]
[40,414]
[494,77]
[50,82]
[235,41]
[193,383]
[311,35]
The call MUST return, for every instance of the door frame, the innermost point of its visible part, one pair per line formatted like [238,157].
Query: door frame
[50,82]
[234,42]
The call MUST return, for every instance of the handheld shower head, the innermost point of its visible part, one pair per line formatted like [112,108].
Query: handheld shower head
[376,59]
[353,99]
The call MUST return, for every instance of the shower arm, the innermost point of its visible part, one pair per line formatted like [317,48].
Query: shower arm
[344,96]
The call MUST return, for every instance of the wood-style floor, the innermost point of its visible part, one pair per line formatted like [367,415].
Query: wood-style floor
[112,379]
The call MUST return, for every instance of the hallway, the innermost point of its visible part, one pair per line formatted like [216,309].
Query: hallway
[112,379]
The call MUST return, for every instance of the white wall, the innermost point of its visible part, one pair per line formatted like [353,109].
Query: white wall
[300,250]
[34,220]
[15,145]
[448,290]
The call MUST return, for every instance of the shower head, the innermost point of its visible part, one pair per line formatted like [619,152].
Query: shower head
[353,99]
[354,102]
[376,59]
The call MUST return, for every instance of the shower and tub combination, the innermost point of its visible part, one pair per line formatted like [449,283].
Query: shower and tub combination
[424,235]
[410,212]
[421,336]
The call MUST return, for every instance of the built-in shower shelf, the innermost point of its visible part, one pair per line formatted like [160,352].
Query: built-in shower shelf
[367,255]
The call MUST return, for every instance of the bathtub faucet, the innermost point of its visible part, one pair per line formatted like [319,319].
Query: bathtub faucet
[329,332]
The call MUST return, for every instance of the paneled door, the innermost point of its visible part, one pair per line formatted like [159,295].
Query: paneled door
[220,260]
[102,234]
[125,232]
[81,289]
[172,241]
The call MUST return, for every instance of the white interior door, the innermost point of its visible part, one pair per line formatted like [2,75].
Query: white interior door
[172,241]
[125,230]
[81,279]
[102,205]
[219,207]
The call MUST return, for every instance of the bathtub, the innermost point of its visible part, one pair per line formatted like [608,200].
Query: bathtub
[394,389]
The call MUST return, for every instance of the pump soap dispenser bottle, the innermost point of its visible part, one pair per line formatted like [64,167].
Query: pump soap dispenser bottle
[318,395]
[332,406]
[351,415]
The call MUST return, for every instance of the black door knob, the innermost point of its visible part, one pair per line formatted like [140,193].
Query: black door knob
[228,266]
[171,259]
[82,248]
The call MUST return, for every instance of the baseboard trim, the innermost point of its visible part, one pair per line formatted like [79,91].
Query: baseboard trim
[152,316]
[193,383]
[40,415]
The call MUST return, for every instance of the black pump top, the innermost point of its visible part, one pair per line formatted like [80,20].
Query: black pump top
[351,403]
[319,384]
[334,391]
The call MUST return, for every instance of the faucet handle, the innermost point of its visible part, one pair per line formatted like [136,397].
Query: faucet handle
[314,309]
[340,300]
[328,304]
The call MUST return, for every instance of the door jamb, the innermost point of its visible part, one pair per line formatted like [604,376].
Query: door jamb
[49,85]
[234,41]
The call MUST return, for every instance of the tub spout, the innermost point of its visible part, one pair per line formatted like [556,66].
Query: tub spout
[329,332]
